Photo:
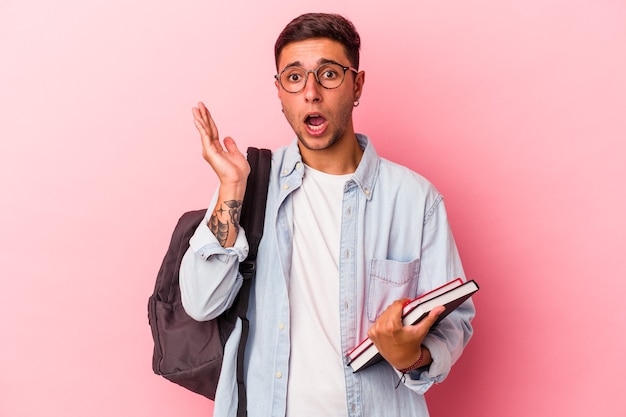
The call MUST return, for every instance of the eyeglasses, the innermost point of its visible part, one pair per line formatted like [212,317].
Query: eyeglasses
[329,75]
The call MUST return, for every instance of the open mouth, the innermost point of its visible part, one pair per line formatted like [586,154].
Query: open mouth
[315,123]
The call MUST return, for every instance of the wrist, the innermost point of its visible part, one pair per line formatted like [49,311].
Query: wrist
[232,191]
[416,365]
[423,360]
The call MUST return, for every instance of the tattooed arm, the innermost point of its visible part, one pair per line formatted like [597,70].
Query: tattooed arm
[224,221]
[232,168]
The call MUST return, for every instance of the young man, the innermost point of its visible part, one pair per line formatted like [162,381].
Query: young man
[348,238]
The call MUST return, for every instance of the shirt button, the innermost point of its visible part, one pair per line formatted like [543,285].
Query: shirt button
[281,326]
[298,165]
[279,374]
[367,191]
[285,186]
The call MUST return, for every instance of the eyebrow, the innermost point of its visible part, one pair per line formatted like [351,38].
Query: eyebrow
[320,61]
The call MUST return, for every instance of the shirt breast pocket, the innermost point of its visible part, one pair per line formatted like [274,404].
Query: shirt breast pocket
[389,281]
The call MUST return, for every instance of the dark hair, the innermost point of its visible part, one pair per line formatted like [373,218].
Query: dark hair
[321,25]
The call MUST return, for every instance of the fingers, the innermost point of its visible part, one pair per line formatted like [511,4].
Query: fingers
[203,113]
[432,316]
[214,134]
[208,130]
[397,305]
[230,145]
[201,128]
[394,311]
[424,325]
[390,320]
[204,122]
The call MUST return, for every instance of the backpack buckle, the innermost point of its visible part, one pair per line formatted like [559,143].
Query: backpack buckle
[247,268]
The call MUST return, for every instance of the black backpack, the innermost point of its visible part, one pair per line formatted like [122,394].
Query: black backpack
[190,352]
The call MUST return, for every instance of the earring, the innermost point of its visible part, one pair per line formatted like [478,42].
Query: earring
[357,102]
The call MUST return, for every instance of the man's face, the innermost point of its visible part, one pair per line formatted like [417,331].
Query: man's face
[320,117]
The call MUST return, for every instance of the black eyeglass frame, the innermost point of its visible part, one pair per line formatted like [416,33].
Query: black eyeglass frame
[314,71]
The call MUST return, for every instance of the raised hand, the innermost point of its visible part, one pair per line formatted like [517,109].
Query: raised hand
[230,165]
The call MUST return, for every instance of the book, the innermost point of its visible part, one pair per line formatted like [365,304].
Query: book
[450,295]
[424,297]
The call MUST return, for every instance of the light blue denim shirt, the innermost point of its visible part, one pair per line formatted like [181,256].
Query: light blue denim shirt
[395,243]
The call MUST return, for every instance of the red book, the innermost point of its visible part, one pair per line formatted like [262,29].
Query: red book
[450,295]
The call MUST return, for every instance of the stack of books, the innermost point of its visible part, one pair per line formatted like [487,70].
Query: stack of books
[450,295]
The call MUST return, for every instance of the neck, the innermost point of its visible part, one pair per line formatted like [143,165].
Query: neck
[342,157]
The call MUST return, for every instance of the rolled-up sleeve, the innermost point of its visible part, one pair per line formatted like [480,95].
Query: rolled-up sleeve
[445,343]
[209,273]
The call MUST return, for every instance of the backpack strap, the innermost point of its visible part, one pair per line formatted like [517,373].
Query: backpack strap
[253,210]
[252,219]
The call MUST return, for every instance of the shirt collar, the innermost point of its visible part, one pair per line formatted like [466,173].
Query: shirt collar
[367,172]
[365,175]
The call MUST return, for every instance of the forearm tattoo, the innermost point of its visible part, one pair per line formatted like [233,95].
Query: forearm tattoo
[225,219]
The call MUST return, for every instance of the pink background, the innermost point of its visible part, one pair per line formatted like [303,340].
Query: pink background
[516,110]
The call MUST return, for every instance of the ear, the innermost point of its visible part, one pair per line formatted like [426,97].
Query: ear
[278,89]
[359,81]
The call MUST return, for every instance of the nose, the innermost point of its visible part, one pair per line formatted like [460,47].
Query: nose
[312,89]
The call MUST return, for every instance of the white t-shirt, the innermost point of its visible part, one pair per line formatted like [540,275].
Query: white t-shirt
[316,384]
